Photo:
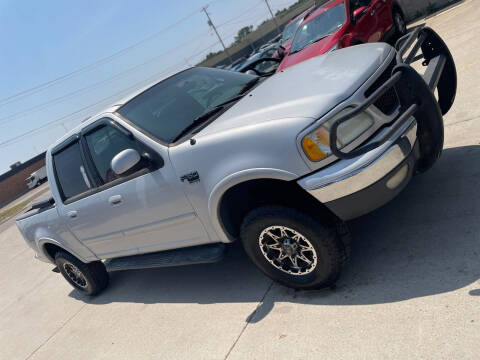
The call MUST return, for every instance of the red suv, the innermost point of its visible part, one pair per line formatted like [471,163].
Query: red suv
[342,23]
[289,31]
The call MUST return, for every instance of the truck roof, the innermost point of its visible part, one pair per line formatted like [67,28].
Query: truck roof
[111,109]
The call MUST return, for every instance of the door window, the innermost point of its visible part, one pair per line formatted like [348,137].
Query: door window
[359,3]
[70,171]
[104,143]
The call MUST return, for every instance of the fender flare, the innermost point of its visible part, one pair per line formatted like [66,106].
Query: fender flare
[41,242]
[234,179]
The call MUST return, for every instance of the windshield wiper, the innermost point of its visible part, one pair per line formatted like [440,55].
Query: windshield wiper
[241,94]
[210,113]
[310,43]
[199,120]
[235,98]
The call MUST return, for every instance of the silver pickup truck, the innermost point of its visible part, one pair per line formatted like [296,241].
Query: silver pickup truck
[178,171]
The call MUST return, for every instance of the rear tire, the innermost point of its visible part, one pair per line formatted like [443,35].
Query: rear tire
[88,278]
[293,248]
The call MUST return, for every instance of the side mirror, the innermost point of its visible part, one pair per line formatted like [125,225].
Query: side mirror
[281,51]
[124,161]
[359,12]
[263,66]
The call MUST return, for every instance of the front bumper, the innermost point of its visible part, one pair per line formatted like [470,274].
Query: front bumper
[354,187]
[370,175]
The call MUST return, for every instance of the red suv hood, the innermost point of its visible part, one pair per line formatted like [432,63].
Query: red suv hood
[316,49]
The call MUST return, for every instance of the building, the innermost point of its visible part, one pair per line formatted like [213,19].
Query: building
[12,183]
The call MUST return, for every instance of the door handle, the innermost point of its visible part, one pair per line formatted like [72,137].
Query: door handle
[72,214]
[372,12]
[115,200]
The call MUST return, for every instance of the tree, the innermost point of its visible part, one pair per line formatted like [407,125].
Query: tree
[212,54]
[243,33]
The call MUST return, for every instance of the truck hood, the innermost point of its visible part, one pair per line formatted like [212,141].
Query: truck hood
[307,90]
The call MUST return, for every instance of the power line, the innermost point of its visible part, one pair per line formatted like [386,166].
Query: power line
[100,62]
[252,20]
[61,119]
[97,63]
[239,16]
[92,86]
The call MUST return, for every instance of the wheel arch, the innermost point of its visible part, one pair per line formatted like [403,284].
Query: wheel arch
[240,193]
[49,247]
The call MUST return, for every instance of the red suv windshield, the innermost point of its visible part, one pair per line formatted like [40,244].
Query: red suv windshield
[320,26]
[290,29]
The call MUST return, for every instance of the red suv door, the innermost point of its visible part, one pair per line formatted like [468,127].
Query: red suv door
[383,14]
[366,27]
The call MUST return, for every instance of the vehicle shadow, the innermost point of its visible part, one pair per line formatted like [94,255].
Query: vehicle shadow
[425,242]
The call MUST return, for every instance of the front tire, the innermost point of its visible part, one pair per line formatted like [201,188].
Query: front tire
[399,23]
[293,248]
[88,278]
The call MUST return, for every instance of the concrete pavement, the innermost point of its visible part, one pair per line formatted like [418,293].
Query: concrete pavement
[412,289]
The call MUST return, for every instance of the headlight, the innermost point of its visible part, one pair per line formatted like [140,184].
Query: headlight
[316,144]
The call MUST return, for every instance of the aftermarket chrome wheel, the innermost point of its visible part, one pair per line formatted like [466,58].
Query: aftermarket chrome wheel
[75,275]
[293,248]
[88,278]
[287,250]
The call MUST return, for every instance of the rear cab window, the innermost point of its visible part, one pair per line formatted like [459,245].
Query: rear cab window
[72,179]
[82,164]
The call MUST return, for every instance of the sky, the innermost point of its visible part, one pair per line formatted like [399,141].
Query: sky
[62,61]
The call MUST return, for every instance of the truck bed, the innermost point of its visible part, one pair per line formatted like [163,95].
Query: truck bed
[38,207]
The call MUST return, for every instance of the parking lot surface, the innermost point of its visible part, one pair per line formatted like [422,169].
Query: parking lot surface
[412,289]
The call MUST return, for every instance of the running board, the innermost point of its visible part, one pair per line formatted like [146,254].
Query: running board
[178,257]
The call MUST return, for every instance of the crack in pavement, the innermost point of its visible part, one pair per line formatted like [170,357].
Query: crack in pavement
[462,121]
[55,332]
[251,316]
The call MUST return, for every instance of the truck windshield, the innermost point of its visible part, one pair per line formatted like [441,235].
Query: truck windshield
[169,107]
[320,26]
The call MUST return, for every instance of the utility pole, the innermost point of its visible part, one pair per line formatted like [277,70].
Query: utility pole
[210,23]
[273,17]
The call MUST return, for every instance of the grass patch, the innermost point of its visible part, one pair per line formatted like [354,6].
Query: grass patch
[14,210]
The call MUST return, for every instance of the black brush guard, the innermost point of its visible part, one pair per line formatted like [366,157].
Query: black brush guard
[416,94]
